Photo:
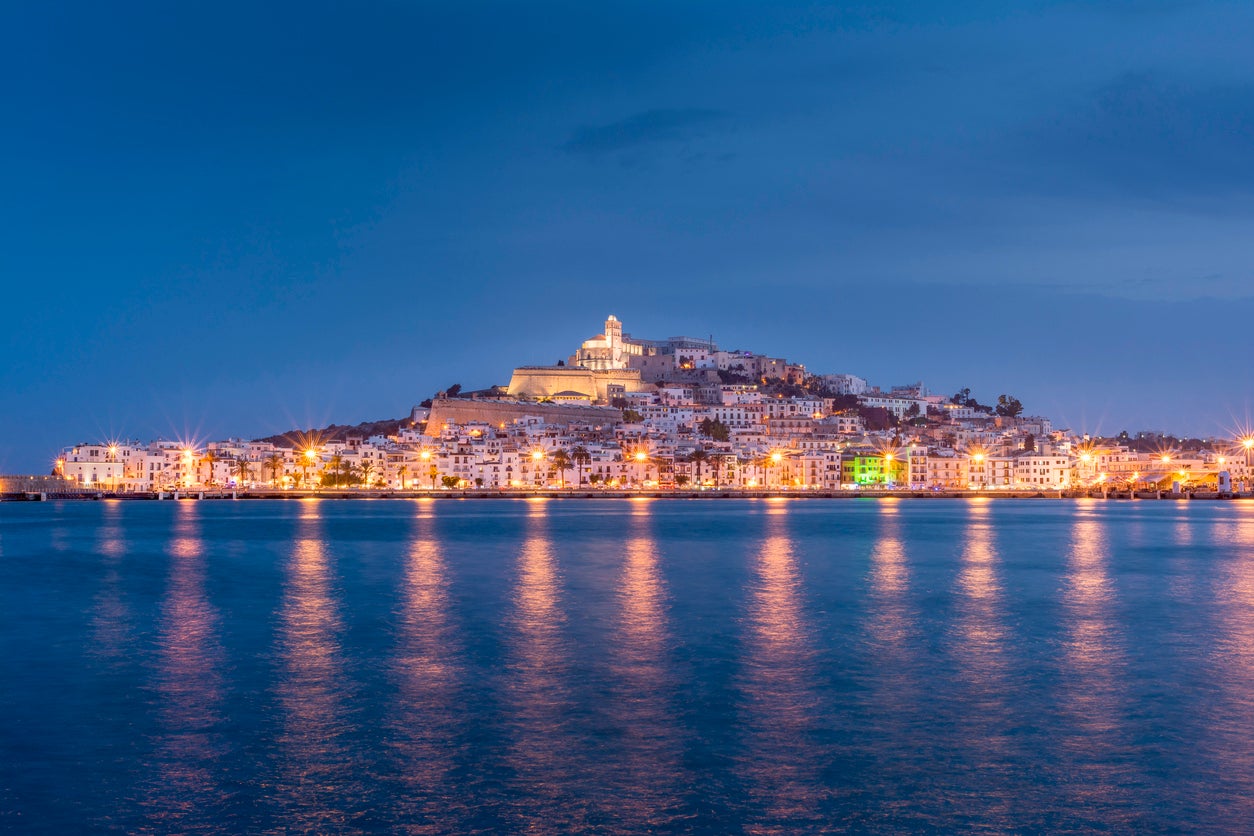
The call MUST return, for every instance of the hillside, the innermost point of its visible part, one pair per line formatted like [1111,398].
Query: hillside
[338,432]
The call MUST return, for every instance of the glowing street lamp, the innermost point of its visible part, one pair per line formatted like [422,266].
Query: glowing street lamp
[536,457]
[310,455]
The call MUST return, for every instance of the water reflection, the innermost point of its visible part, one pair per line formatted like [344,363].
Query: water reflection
[898,707]
[1187,584]
[1230,793]
[781,760]
[646,778]
[430,677]
[316,776]
[111,614]
[892,622]
[539,716]
[189,690]
[980,648]
[1093,677]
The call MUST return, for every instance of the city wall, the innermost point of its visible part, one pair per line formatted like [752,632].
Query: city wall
[467,410]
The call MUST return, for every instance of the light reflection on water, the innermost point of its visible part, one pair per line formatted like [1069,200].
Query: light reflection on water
[628,667]
[429,675]
[112,628]
[189,691]
[543,752]
[1229,733]
[644,778]
[781,759]
[317,788]
[1092,694]
[985,681]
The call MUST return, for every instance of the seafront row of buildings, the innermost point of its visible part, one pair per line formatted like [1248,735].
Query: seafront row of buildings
[677,413]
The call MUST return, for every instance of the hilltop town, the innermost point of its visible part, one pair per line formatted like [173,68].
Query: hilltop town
[629,413]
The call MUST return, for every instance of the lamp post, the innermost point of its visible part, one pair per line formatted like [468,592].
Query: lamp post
[537,456]
[776,458]
[642,459]
[310,455]
[888,470]
[113,457]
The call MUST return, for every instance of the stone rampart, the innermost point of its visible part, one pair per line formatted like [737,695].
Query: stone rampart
[460,411]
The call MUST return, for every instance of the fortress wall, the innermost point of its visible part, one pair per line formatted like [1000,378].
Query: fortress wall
[460,411]
[543,381]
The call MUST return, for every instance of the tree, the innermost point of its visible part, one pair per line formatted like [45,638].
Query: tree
[698,457]
[1008,406]
[582,459]
[454,390]
[877,417]
[714,429]
[962,397]
[209,459]
[335,465]
[275,464]
[1029,443]
[561,462]
[242,470]
[913,410]
[449,481]
[366,469]
[401,473]
[433,473]
[630,416]
[681,480]
[716,461]
[594,478]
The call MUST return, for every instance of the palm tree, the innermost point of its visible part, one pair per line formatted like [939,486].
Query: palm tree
[242,470]
[275,463]
[561,462]
[336,467]
[366,468]
[582,459]
[209,458]
[433,473]
[401,473]
[697,457]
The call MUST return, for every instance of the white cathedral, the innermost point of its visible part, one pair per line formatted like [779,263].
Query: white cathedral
[609,350]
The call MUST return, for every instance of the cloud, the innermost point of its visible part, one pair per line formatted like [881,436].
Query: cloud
[651,127]
[1150,137]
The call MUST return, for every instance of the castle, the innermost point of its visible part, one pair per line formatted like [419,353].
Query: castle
[604,367]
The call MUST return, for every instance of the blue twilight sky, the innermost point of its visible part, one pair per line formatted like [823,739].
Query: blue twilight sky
[233,218]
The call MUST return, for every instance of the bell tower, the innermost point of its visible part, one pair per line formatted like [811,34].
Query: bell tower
[614,342]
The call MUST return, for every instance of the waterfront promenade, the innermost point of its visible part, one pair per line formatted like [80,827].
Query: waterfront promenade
[615,493]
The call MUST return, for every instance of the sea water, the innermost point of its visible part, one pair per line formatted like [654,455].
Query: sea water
[627,666]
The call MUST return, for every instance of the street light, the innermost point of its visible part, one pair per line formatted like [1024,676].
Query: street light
[310,455]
